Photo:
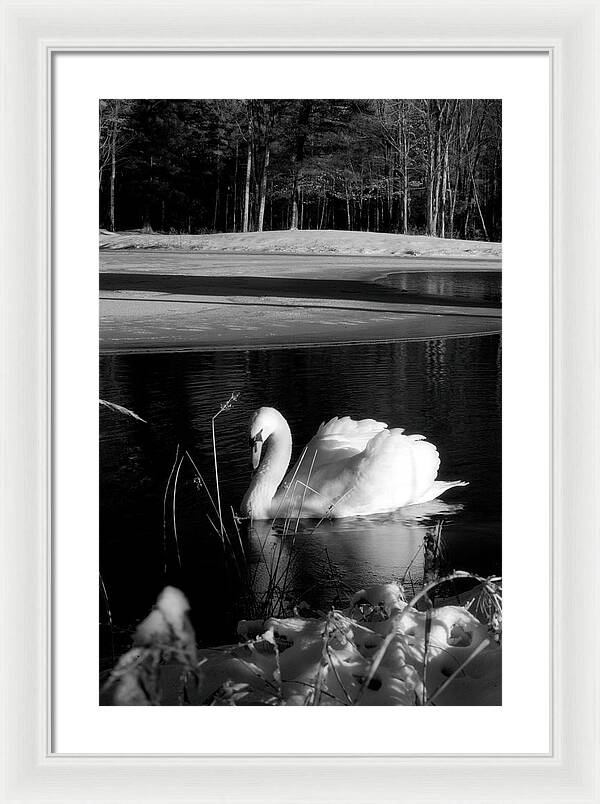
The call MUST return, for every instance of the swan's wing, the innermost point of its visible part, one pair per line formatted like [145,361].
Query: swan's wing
[394,470]
[353,468]
[337,440]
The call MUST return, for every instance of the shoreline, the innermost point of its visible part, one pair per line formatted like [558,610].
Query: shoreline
[165,324]
[151,350]
[153,300]
[234,252]
[329,267]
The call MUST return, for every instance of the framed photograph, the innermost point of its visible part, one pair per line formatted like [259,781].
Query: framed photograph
[300,413]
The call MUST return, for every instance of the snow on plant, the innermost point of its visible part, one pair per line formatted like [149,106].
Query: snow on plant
[380,651]
[165,635]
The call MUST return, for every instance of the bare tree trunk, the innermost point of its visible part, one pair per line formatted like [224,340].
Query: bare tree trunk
[430,181]
[430,169]
[476,197]
[113,168]
[348,208]
[471,169]
[263,183]
[452,192]
[390,192]
[444,189]
[436,192]
[303,118]
[246,217]
[113,173]
[323,212]
[405,179]
[216,210]
[333,200]
[466,229]
[294,220]
[235,189]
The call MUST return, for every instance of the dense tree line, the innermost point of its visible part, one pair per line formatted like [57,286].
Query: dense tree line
[409,166]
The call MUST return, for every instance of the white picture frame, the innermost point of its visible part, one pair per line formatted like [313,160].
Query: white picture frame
[32,33]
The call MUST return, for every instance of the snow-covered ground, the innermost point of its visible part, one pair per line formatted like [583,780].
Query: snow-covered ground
[306,242]
[280,288]
[371,654]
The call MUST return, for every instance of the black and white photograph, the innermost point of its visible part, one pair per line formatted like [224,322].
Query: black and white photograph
[300,433]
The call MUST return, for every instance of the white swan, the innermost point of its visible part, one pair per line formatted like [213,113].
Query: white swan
[349,468]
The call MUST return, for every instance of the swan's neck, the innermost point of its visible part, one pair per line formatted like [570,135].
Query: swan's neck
[274,461]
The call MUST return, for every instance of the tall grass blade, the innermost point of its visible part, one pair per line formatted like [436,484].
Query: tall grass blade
[110,619]
[165,508]
[121,409]
[305,490]
[203,483]
[216,465]
[426,648]
[174,511]
[237,530]
[224,407]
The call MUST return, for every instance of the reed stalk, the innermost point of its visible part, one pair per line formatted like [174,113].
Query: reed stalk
[224,407]
[165,508]
[174,511]
[305,490]
[110,619]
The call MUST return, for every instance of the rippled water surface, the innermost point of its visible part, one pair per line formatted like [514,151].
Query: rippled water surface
[448,390]
[483,286]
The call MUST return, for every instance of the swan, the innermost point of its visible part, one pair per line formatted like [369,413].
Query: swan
[348,468]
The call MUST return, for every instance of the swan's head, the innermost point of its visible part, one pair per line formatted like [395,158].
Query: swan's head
[263,423]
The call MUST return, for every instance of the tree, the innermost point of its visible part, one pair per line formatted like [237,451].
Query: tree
[114,138]
[411,166]
[267,126]
[249,144]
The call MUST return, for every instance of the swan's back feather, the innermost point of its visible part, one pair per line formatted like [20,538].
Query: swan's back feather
[345,427]
[335,440]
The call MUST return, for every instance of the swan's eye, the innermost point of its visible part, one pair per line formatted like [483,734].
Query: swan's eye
[256,439]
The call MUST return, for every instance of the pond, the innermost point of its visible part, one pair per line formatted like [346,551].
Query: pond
[447,389]
[456,286]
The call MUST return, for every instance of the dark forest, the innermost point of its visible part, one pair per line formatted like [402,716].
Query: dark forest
[201,166]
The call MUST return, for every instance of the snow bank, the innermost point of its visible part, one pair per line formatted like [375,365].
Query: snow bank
[306,242]
[377,652]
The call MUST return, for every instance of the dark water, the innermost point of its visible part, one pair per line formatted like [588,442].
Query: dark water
[448,390]
[465,288]
[459,286]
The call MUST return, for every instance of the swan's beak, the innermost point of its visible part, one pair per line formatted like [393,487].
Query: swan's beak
[256,443]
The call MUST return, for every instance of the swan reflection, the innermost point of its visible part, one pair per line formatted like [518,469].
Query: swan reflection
[309,560]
